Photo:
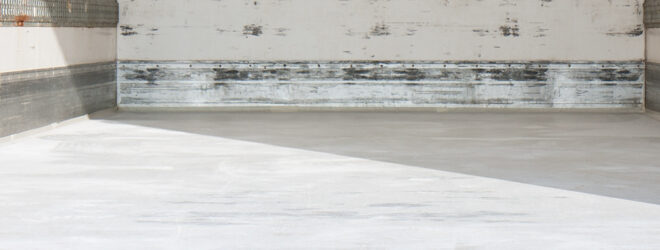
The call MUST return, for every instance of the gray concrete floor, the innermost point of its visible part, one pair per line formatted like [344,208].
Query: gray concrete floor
[335,180]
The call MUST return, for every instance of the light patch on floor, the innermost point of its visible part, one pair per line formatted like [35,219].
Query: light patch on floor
[108,185]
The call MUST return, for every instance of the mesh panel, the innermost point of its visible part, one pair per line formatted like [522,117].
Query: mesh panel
[68,13]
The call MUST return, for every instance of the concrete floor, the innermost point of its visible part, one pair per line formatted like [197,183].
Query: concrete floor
[335,180]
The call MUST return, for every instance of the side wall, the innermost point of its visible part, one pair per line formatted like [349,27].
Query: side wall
[58,61]
[652,20]
[396,53]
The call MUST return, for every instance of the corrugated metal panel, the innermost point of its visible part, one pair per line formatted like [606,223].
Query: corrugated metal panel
[59,13]
[652,13]
[36,98]
[653,86]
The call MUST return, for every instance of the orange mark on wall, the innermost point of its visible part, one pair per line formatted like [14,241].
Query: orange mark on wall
[20,20]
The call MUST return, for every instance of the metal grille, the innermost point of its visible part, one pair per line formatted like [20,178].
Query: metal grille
[652,13]
[61,13]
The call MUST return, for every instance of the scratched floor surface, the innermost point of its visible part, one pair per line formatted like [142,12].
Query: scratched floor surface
[335,181]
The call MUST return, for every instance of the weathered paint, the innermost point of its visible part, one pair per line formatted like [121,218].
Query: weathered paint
[326,30]
[31,99]
[59,13]
[653,86]
[381,84]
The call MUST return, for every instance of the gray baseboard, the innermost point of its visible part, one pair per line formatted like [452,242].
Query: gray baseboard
[653,86]
[205,84]
[36,98]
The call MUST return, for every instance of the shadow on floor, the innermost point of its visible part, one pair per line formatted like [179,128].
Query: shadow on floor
[615,155]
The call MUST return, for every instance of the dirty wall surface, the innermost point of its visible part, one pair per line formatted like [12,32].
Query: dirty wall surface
[339,53]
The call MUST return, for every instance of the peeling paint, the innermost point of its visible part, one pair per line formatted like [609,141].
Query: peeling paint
[638,30]
[383,83]
[291,30]
[380,29]
[127,30]
[252,30]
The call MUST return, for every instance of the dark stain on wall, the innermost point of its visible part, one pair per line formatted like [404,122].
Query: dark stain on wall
[252,30]
[511,28]
[380,29]
[481,32]
[359,74]
[376,71]
[615,75]
[222,74]
[634,32]
[151,75]
[127,30]
[380,74]
[517,74]
[410,74]
[508,30]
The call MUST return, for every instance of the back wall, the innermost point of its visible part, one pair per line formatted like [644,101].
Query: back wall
[542,53]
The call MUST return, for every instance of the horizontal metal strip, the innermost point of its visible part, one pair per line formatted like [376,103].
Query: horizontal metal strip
[394,63]
[194,84]
[380,72]
[377,106]
[26,83]
[55,72]
[381,84]
[355,93]
[41,95]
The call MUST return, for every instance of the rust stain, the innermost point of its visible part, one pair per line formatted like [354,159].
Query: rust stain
[21,19]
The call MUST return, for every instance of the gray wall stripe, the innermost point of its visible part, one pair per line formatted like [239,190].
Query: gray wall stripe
[36,98]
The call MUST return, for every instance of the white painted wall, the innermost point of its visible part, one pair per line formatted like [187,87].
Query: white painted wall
[26,48]
[564,30]
[653,45]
